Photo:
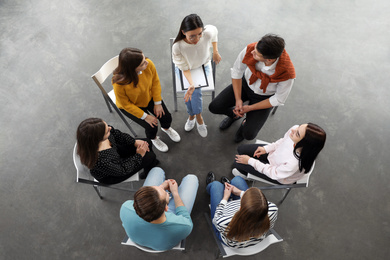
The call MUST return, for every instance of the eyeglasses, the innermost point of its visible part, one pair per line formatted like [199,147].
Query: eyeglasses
[195,37]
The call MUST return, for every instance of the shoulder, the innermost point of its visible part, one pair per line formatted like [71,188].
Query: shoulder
[210,29]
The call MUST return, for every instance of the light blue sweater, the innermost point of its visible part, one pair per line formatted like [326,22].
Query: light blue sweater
[162,236]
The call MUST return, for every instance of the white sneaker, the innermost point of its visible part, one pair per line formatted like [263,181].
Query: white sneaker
[172,134]
[189,124]
[236,172]
[160,145]
[202,129]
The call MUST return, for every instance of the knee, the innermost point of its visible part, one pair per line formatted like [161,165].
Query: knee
[213,108]
[249,134]
[240,149]
[157,171]
[191,177]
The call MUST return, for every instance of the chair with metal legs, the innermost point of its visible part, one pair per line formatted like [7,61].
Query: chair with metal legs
[302,183]
[99,77]
[83,175]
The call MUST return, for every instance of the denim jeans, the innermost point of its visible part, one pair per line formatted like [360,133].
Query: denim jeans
[215,189]
[187,189]
[195,105]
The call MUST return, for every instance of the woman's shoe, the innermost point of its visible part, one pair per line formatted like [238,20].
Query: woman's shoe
[160,145]
[172,134]
[189,124]
[225,179]
[210,178]
[202,129]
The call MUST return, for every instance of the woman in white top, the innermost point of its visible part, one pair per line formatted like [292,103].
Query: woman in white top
[191,50]
[288,158]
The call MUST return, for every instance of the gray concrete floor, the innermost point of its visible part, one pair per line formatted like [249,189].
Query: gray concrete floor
[49,50]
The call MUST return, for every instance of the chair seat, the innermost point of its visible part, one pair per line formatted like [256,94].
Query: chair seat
[128,242]
[272,238]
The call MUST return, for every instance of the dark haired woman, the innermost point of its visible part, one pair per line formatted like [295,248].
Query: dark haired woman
[138,95]
[112,156]
[288,158]
[191,50]
[241,216]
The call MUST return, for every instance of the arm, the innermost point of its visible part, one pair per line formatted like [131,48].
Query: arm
[122,138]
[216,56]
[110,164]
[237,73]
[188,95]
[274,172]
[283,89]
[175,193]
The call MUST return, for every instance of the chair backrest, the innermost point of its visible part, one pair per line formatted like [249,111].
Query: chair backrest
[106,69]
[81,169]
[272,238]
[306,177]
[128,242]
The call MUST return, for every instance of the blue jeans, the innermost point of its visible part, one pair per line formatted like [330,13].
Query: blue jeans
[195,105]
[187,189]
[215,189]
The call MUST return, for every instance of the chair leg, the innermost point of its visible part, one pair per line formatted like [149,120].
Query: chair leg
[125,121]
[107,103]
[285,195]
[274,110]
[97,191]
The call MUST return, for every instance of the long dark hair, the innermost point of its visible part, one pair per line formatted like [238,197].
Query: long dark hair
[129,60]
[189,23]
[89,134]
[311,144]
[252,218]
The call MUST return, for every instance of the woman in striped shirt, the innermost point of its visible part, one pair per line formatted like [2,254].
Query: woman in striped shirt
[241,216]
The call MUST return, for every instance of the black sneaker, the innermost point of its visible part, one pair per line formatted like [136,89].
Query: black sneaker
[239,137]
[210,178]
[225,179]
[227,122]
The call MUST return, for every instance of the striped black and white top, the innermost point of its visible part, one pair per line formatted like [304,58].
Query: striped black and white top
[224,214]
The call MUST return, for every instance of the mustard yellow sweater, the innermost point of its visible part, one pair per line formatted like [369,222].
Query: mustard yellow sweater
[131,98]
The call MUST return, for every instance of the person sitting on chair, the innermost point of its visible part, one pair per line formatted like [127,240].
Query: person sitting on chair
[241,216]
[138,95]
[155,220]
[288,158]
[262,74]
[112,156]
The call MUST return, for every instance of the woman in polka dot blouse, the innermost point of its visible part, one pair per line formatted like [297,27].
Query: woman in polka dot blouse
[112,156]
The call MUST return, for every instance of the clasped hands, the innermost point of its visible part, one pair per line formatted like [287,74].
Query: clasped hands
[240,110]
[243,159]
[170,185]
[142,147]
[229,189]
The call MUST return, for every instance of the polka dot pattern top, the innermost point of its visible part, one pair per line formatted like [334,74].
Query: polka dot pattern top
[110,163]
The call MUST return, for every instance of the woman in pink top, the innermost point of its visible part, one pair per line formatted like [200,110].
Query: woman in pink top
[284,161]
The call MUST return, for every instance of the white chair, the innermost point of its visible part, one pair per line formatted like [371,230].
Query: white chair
[226,251]
[301,183]
[83,175]
[128,242]
[99,77]
[177,82]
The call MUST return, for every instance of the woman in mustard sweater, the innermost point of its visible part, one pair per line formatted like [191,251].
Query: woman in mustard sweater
[138,95]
